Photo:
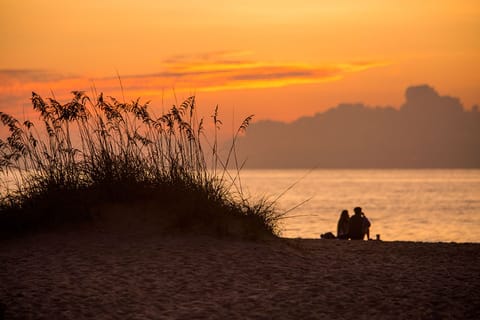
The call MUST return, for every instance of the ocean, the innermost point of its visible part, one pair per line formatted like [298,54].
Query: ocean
[434,205]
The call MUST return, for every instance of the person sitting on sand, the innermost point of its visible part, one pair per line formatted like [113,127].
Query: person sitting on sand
[357,224]
[342,227]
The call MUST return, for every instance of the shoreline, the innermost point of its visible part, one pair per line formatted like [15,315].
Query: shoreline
[386,241]
[109,275]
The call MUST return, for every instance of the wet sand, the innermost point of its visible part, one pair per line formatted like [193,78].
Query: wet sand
[98,275]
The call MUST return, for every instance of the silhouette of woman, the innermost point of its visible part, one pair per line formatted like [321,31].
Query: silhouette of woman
[342,227]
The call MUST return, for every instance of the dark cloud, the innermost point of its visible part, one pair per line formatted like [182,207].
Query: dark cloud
[429,131]
[274,75]
[32,75]
[172,74]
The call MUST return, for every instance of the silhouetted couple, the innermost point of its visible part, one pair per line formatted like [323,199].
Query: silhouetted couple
[354,227]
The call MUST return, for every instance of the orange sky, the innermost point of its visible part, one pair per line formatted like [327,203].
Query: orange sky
[276,59]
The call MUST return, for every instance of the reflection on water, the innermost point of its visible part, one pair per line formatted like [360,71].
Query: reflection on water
[417,205]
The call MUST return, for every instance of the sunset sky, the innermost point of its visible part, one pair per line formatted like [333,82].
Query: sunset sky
[276,59]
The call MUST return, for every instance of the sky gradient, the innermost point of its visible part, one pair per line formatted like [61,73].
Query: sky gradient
[276,59]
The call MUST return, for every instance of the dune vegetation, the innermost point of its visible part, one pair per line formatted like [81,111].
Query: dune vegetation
[100,159]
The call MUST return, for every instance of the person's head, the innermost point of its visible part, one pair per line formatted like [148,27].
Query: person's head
[344,214]
[357,210]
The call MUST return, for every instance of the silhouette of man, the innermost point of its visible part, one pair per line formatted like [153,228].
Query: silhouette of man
[356,225]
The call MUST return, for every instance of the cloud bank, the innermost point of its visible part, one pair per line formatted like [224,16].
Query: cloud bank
[429,131]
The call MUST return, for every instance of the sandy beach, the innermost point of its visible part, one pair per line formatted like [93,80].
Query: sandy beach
[103,275]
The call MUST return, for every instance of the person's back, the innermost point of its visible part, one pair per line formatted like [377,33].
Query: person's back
[355,227]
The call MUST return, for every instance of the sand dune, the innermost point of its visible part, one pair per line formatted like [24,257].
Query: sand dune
[99,275]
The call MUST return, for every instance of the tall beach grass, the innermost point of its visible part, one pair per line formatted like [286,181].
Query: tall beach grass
[83,158]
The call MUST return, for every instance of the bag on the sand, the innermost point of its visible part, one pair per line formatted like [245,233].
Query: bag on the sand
[327,235]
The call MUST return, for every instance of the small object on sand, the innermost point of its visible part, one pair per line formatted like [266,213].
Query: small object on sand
[327,235]
[378,237]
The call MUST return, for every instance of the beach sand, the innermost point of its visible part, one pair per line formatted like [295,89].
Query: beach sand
[104,275]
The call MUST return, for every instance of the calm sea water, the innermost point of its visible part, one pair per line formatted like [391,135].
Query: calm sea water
[414,205]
